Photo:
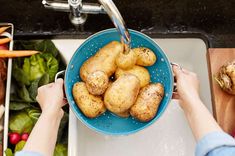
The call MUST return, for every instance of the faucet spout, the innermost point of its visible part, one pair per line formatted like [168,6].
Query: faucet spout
[117,20]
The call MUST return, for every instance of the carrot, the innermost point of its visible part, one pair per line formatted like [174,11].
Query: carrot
[2,29]
[17,53]
[4,40]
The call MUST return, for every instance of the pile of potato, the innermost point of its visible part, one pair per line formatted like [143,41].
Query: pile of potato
[129,93]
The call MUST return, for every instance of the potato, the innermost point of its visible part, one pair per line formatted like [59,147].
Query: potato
[145,56]
[125,114]
[141,73]
[122,93]
[148,100]
[126,60]
[103,60]
[97,82]
[91,106]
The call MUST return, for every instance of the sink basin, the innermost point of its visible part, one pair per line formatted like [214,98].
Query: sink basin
[168,136]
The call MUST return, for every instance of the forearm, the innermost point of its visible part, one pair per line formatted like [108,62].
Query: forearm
[200,119]
[44,135]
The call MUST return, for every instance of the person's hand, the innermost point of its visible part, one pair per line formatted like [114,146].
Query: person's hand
[187,86]
[51,98]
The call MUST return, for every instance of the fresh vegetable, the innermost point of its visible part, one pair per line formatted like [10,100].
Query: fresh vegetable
[45,46]
[20,122]
[4,40]
[29,73]
[16,106]
[14,138]
[3,29]
[8,152]
[3,47]
[97,82]
[226,77]
[103,60]
[91,106]
[122,93]
[25,136]
[14,53]
[126,60]
[145,56]
[147,103]
[35,67]
[34,114]
[60,150]
[140,72]
[19,146]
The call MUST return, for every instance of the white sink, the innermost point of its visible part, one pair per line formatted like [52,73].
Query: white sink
[170,135]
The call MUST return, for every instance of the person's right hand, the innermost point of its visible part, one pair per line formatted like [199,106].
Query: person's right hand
[187,85]
[51,98]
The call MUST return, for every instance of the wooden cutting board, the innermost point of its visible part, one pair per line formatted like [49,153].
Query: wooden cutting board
[223,103]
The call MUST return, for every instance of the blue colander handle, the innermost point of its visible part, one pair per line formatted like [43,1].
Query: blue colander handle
[59,75]
[175,86]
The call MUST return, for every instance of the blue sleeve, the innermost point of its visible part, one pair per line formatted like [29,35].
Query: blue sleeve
[216,144]
[27,153]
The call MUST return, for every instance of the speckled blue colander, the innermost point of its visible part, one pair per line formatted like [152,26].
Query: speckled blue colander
[108,123]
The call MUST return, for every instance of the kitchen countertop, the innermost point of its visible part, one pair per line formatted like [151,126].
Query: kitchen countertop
[213,21]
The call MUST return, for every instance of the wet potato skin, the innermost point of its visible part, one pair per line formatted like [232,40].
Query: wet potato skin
[147,103]
[140,72]
[126,60]
[91,106]
[145,56]
[103,60]
[97,82]
[122,93]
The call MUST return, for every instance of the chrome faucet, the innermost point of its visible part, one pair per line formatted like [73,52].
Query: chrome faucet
[78,13]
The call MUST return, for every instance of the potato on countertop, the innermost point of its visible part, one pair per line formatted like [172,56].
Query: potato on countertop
[145,56]
[141,73]
[147,103]
[91,106]
[122,93]
[103,60]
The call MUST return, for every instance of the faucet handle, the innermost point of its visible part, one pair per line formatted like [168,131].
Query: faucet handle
[58,6]
[117,19]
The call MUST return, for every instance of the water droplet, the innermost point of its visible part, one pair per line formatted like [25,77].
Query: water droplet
[72,66]
[162,59]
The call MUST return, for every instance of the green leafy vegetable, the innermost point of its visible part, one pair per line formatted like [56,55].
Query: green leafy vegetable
[44,80]
[34,113]
[23,93]
[19,75]
[47,46]
[20,146]
[34,66]
[26,45]
[20,122]
[30,73]
[52,65]
[61,150]
[8,152]
[16,106]
[33,89]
